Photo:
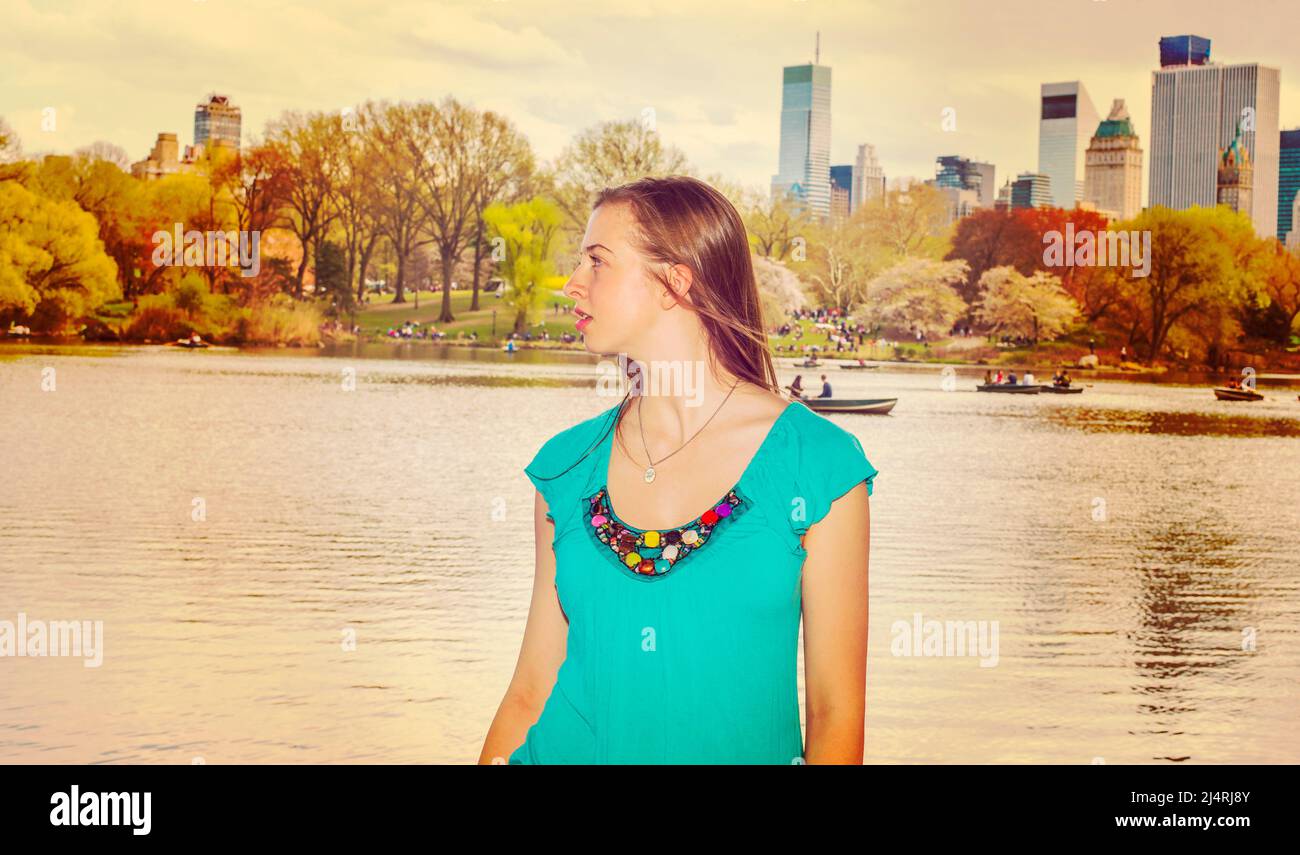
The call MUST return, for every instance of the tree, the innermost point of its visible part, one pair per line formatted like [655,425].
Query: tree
[107,152]
[53,268]
[779,289]
[332,279]
[11,149]
[309,150]
[775,225]
[1281,280]
[608,155]
[396,147]
[1034,306]
[525,236]
[909,223]
[915,293]
[1202,260]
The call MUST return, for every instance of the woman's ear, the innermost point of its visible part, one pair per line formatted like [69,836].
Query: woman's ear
[680,278]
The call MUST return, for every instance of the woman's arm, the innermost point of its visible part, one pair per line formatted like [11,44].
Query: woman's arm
[835,630]
[545,642]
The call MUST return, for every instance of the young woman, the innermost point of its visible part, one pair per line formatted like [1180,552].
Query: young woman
[684,531]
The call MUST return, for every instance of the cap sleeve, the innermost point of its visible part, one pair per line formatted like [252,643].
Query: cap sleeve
[562,467]
[830,462]
[546,472]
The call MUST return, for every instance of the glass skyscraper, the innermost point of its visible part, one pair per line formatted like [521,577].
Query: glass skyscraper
[1288,183]
[964,174]
[805,158]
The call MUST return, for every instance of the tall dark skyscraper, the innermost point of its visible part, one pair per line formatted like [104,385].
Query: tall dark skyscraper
[1288,183]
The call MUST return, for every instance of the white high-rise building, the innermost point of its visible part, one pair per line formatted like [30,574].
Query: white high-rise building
[1067,120]
[868,177]
[1196,108]
[804,168]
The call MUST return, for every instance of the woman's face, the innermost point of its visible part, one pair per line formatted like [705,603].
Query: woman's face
[611,286]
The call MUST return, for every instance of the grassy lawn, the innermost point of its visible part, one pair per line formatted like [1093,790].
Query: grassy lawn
[381,313]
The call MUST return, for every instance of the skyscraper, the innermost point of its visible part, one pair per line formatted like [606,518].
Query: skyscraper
[805,158]
[841,191]
[1288,183]
[868,177]
[1067,119]
[965,174]
[1195,111]
[1113,166]
[217,119]
[1031,190]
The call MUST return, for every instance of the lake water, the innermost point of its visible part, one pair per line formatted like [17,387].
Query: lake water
[234,518]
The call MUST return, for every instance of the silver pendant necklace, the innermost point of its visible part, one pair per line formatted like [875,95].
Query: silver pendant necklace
[650,470]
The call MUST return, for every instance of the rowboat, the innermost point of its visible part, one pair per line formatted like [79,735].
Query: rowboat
[1010,388]
[853,365]
[1062,390]
[185,342]
[870,406]
[1226,394]
[808,363]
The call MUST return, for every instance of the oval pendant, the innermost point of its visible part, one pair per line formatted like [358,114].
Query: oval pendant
[649,474]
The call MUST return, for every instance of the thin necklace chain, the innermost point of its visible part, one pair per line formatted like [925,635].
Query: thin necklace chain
[641,427]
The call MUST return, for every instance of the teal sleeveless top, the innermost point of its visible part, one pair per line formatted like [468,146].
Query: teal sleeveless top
[683,643]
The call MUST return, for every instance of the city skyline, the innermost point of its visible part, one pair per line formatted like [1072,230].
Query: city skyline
[556,73]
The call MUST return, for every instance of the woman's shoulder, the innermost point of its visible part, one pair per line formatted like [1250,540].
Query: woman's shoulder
[823,455]
[570,442]
[812,432]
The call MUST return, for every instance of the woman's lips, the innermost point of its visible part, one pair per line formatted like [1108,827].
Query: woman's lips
[584,319]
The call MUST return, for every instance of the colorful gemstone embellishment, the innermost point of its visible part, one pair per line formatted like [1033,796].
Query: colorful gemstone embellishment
[651,554]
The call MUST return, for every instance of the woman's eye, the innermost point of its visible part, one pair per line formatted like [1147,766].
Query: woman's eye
[595,262]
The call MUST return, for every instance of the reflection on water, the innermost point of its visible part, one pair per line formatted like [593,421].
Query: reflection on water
[236,518]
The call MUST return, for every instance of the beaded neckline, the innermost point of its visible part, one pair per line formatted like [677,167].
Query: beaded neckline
[619,540]
[654,553]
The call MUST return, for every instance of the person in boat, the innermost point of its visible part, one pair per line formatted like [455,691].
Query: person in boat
[1011,378]
[1064,380]
[988,377]
[194,338]
[826,388]
[796,388]
[999,377]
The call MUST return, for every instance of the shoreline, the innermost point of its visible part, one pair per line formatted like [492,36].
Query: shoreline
[1106,371]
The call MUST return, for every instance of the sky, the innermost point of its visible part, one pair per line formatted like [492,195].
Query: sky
[124,70]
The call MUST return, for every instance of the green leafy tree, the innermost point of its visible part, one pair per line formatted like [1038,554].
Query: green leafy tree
[525,238]
[53,268]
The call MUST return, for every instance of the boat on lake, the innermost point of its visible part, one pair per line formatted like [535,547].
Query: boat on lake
[1062,390]
[1010,388]
[868,406]
[1224,393]
[857,365]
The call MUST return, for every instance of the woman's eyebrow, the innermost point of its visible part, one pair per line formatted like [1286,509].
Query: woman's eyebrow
[590,247]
